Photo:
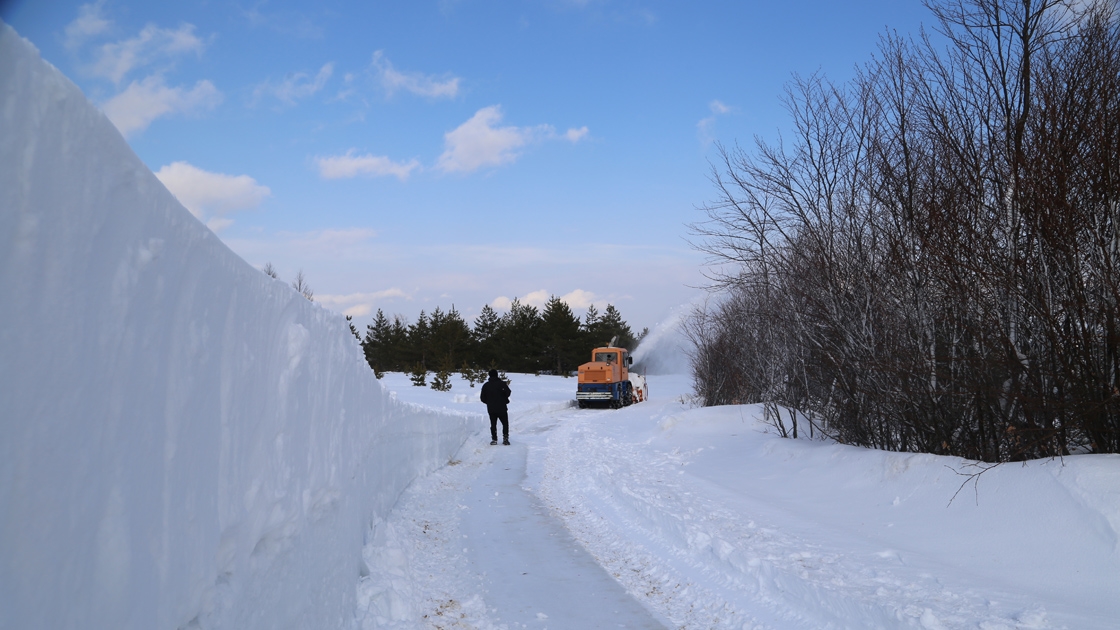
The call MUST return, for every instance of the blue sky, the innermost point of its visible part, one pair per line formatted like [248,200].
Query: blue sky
[408,155]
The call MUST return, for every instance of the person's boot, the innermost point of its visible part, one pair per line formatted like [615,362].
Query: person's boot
[494,442]
[505,441]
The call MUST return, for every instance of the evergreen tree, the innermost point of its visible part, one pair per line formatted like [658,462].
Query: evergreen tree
[441,382]
[376,345]
[353,330]
[609,325]
[519,343]
[436,320]
[560,340]
[523,340]
[472,374]
[484,337]
[591,319]
[640,336]
[588,331]
[419,337]
[450,340]
[397,349]
[418,375]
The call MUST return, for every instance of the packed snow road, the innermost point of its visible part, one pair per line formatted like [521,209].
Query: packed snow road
[534,570]
[659,515]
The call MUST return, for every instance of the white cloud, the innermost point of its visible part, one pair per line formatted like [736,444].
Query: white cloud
[413,82]
[333,240]
[89,23]
[350,165]
[117,59]
[575,135]
[704,127]
[361,304]
[478,142]
[217,224]
[359,310]
[347,89]
[536,298]
[578,299]
[211,196]
[349,252]
[144,101]
[718,107]
[294,86]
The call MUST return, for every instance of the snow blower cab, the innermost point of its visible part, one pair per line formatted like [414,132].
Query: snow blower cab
[606,380]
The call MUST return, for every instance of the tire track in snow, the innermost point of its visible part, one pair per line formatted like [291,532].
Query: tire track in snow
[696,554]
[670,540]
[434,562]
[414,570]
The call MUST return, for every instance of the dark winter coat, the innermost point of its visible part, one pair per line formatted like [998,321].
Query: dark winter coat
[495,394]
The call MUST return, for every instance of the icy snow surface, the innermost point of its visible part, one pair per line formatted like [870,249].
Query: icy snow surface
[710,520]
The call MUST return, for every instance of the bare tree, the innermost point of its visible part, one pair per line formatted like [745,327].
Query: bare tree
[300,285]
[930,262]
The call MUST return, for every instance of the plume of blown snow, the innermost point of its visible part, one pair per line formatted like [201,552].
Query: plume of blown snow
[665,349]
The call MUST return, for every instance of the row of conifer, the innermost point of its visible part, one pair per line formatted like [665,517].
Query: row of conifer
[525,339]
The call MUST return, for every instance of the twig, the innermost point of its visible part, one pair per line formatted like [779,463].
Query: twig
[973,477]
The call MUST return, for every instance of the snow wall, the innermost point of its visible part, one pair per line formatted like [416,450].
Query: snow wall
[184,441]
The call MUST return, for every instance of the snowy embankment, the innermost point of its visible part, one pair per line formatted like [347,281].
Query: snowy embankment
[184,442]
[711,520]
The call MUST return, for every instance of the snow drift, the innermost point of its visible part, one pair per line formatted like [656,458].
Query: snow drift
[184,441]
[712,521]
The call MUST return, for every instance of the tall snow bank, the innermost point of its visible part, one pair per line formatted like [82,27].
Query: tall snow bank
[184,441]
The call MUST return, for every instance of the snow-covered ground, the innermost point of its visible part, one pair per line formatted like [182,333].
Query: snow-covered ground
[710,520]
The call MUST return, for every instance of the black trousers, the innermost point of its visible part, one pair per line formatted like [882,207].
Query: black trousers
[502,415]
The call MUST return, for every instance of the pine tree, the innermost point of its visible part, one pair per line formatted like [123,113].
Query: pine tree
[484,336]
[588,331]
[376,344]
[518,333]
[559,337]
[419,336]
[442,380]
[612,325]
[450,338]
[418,375]
[472,374]
[591,318]
[397,349]
[523,340]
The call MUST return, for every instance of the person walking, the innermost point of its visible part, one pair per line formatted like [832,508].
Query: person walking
[495,395]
